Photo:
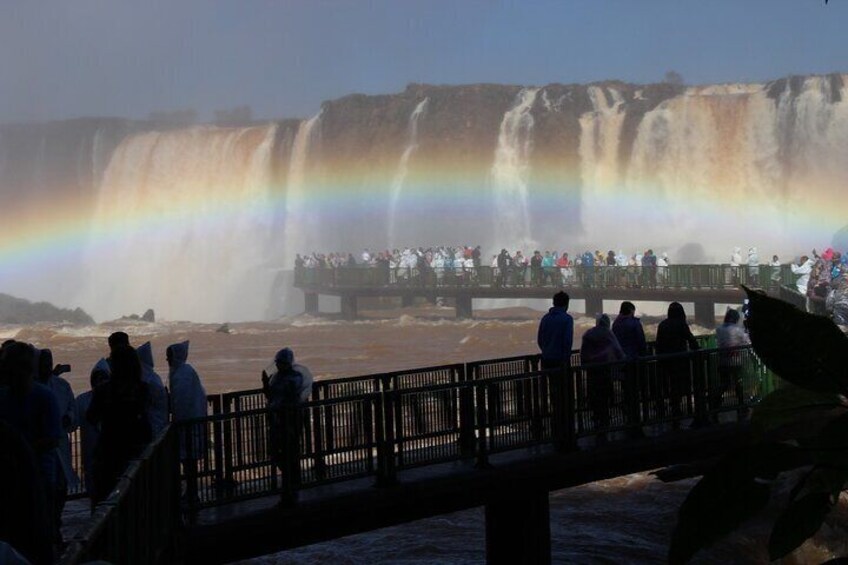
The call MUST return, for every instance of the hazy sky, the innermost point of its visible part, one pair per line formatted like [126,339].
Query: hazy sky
[76,58]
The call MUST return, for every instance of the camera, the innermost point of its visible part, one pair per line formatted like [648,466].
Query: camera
[59,369]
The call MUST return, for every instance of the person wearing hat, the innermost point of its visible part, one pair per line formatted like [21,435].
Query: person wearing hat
[286,388]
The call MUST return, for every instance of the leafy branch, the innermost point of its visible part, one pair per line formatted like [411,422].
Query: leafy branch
[802,424]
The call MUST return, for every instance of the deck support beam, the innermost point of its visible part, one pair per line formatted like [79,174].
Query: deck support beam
[310,302]
[594,304]
[705,313]
[464,310]
[349,309]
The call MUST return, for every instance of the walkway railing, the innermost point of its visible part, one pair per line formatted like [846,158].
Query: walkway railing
[225,469]
[416,418]
[138,521]
[598,277]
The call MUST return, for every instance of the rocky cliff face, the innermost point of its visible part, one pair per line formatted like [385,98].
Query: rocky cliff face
[560,167]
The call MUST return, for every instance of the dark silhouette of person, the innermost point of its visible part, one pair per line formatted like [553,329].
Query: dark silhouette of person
[729,337]
[631,336]
[48,375]
[29,429]
[119,406]
[556,334]
[288,387]
[600,348]
[674,336]
[503,267]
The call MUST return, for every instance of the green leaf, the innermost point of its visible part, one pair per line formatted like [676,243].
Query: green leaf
[813,499]
[792,412]
[727,495]
[830,446]
[804,349]
[799,521]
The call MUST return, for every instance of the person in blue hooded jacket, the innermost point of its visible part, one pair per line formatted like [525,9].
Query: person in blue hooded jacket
[188,401]
[556,334]
[157,412]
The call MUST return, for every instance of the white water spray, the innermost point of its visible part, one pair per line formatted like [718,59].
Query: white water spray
[300,233]
[403,169]
[183,225]
[511,174]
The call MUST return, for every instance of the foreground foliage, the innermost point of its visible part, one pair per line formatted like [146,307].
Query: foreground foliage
[802,425]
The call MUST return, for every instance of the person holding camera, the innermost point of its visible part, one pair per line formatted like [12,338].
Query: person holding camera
[66,478]
[286,388]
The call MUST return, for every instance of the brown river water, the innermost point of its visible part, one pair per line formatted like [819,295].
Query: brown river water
[623,520]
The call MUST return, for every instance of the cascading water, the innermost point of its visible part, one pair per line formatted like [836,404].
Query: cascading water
[511,174]
[300,231]
[600,133]
[403,170]
[182,225]
[178,218]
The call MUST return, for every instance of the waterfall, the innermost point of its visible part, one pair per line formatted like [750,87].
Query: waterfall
[600,134]
[510,174]
[182,225]
[403,169]
[300,230]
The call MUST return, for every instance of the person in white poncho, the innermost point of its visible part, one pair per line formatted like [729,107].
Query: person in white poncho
[188,401]
[286,388]
[157,412]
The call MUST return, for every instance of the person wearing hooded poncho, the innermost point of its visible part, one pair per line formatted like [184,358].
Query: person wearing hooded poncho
[729,336]
[90,433]
[66,478]
[287,387]
[188,401]
[674,336]
[600,347]
[158,409]
[119,408]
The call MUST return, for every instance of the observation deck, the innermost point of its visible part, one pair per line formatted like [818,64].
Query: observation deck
[703,285]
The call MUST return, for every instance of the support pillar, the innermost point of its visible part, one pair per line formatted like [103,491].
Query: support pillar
[311,301]
[463,306]
[594,304]
[518,528]
[705,313]
[349,311]
[406,300]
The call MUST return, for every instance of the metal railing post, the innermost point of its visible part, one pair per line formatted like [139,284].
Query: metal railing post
[290,417]
[480,393]
[386,465]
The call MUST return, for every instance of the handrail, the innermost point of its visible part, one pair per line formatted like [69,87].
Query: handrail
[228,402]
[138,521]
[715,276]
[378,434]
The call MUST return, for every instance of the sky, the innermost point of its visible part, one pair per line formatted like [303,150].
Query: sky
[67,59]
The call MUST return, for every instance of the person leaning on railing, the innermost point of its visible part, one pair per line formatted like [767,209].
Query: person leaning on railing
[729,337]
[285,389]
[631,336]
[188,401]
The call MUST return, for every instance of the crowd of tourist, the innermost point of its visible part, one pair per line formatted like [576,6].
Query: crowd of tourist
[823,279]
[624,340]
[126,408]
